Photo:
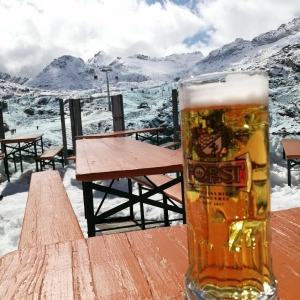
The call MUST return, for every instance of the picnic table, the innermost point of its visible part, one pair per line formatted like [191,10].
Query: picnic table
[28,143]
[147,264]
[139,134]
[111,159]
[291,153]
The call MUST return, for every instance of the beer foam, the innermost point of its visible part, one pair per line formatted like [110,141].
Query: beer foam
[237,88]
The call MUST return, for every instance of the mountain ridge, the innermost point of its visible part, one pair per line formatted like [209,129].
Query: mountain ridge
[73,73]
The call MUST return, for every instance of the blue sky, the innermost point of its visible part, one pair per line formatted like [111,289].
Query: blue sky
[35,32]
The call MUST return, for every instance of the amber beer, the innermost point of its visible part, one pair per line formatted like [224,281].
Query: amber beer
[224,124]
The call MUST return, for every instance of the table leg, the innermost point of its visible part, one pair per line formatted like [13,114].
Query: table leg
[20,154]
[42,144]
[84,197]
[143,226]
[166,213]
[6,163]
[35,155]
[89,205]
[289,171]
[130,192]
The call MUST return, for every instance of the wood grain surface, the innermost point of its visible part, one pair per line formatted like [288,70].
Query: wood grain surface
[98,159]
[291,148]
[49,216]
[120,133]
[50,153]
[21,138]
[148,264]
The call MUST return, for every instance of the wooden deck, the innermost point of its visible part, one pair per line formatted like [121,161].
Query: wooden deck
[147,264]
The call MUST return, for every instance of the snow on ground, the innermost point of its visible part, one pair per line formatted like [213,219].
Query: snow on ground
[15,192]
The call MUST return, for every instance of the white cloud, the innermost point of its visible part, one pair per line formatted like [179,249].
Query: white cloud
[35,32]
[245,19]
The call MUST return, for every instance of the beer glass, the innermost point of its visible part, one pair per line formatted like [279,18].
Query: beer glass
[224,126]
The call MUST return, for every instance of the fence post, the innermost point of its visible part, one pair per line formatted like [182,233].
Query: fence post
[63,129]
[118,113]
[175,113]
[77,114]
[72,117]
[2,130]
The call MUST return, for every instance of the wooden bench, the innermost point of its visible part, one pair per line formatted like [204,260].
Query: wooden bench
[9,152]
[73,157]
[291,153]
[170,145]
[48,157]
[173,193]
[49,217]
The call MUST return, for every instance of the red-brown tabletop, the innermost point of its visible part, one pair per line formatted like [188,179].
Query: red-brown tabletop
[148,264]
[22,138]
[140,134]
[106,158]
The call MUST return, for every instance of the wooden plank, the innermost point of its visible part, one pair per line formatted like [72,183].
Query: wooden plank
[118,112]
[50,153]
[147,264]
[170,144]
[71,157]
[120,133]
[49,216]
[56,271]
[285,251]
[291,148]
[116,270]
[163,260]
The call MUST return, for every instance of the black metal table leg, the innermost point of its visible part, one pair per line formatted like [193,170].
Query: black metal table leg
[35,155]
[89,205]
[289,171]
[20,153]
[6,163]
[130,192]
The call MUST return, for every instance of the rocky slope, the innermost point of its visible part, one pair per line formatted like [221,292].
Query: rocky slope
[141,78]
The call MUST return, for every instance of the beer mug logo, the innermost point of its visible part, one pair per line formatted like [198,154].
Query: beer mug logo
[212,145]
[211,138]
[235,173]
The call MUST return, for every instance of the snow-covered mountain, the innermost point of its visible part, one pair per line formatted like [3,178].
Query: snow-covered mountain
[259,53]
[262,52]
[140,78]
[68,72]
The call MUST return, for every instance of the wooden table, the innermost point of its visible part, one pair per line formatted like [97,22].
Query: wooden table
[17,144]
[291,153]
[110,159]
[147,264]
[153,132]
